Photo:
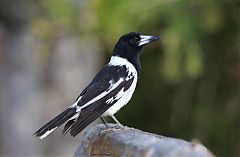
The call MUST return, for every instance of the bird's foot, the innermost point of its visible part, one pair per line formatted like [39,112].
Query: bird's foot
[119,126]
[112,128]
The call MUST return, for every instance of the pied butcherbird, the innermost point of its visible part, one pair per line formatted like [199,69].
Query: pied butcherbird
[108,92]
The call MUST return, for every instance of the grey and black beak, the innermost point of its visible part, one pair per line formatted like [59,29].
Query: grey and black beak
[145,39]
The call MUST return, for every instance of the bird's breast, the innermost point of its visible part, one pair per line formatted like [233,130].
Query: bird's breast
[125,97]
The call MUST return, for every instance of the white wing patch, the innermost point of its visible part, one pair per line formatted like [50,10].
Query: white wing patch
[78,109]
[123,98]
[118,96]
[112,87]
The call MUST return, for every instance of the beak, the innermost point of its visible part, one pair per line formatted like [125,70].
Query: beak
[145,39]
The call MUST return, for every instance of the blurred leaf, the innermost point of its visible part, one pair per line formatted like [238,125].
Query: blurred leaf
[193,61]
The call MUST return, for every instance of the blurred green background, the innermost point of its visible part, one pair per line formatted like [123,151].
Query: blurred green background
[189,86]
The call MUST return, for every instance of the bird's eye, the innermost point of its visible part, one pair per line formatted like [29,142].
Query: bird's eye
[134,40]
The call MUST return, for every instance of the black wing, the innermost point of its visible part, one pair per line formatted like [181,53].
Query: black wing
[101,83]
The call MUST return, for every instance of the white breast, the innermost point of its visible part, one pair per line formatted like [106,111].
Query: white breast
[124,96]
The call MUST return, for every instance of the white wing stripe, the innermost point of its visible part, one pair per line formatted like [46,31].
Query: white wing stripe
[118,96]
[114,61]
[111,88]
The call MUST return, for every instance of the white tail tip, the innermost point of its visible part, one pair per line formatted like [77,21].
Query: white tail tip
[47,133]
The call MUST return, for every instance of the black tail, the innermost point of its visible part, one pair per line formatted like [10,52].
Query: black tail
[55,122]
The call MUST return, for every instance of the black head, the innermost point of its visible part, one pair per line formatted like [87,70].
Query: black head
[130,45]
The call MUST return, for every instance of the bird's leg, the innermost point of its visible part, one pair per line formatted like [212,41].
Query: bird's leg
[119,125]
[115,119]
[104,122]
[107,127]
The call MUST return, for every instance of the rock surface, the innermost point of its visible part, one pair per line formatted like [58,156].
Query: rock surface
[130,142]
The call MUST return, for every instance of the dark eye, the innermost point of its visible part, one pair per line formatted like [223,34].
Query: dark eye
[134,40]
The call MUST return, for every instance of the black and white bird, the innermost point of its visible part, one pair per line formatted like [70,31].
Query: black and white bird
[108,92]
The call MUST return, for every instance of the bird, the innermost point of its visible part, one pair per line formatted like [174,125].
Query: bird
[110,90]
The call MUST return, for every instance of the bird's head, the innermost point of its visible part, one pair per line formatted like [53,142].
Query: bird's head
[130,45]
